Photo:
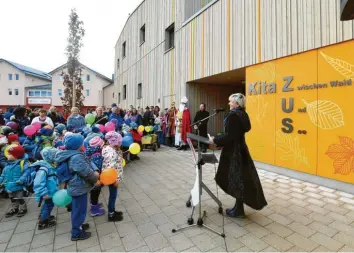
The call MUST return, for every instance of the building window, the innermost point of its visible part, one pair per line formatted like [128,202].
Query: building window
[10,77]
[113,94]
[43,93]
[119,98]
[60,78]
[10,92]
[142,34]
[17,76]
[124,49]
[88,78]
[37,93]
[87,92]
[49,93]
[124,92]
[60,92]
[16,92]
[117,63]
[170,37]
[31,93]
[140,89]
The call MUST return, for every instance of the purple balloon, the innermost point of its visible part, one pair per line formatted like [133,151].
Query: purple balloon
[109,127]
[12,125]
[114,121]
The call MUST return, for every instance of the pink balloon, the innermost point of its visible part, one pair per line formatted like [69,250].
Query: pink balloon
[109,127]
[141,133]
[101,127]
[29,130]
[37,125]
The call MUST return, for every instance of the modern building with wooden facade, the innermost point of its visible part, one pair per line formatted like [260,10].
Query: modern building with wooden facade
[293,58]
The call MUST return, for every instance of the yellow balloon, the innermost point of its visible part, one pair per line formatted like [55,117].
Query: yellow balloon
[141,128]
[123,162]
[147,128]
[134,148]
[6,151]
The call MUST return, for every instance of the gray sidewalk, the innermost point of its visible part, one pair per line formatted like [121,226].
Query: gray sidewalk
[300,216]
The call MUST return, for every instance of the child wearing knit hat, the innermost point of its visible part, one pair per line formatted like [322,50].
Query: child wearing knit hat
[13,176]
[94,153]
[112,158]
[13,139]
[79,184]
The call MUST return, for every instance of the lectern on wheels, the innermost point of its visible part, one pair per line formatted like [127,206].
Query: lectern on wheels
[202,159]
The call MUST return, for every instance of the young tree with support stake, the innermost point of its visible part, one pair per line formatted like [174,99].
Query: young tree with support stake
[73,87]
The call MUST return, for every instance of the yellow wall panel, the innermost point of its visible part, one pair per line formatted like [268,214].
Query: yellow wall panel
[296,136]
[335,114]
[261,109]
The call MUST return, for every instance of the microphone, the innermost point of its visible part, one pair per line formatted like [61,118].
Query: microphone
[219,110]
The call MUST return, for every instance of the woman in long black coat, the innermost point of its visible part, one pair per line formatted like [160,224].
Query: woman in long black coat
[237,174]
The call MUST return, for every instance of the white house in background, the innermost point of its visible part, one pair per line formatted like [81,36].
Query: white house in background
[93,83]
[109,95]
[16,80]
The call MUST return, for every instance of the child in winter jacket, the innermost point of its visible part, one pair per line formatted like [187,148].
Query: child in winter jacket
[112,158]
[3,159]
[45,185]
[136,137]
[59,132]
[13,177]
[94,153]
[82,180]
[43,140]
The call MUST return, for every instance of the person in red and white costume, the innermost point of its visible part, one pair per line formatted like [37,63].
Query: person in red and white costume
[183,122]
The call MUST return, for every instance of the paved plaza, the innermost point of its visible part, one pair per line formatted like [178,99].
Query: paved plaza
[300,216]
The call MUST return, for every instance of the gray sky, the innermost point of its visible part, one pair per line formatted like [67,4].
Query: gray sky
[34,32]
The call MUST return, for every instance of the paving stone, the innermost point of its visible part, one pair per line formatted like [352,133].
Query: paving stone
[63,228]
[305,220]
[316,202]
[329,195]
[88,243]
[110,241]
[180,242]
[159,219]
[346,249]
[96,248]
[235,230]
[232,243]
[106,229]
[348,206]
[260,219]
[332,201]
[342,218]
[296,249]
[281,210]
[324,229]
[70,248]
[302,242]
[150,210]
[345,239]
[348,229]
[133,241]
[26,226]
[170,210]
[6,236]
[46,248]
[279,229]
[147,229]
[281,202]
[301,229]
[347,200]
[282,196]
[62,241]
[321,249]
[298,202]
[21,238]
[19,248]
[317,209]
[146,202]
[280,219]
[3,247]
[336,209]
[179,219]
[193,249]
[42,240]
[140,218]
[253,242]
[8,225]
[156,242]
[127,228]
[204,242]
[257,230]
[327,241]
[320,218]
[278,242]
[298,195]
[299,210]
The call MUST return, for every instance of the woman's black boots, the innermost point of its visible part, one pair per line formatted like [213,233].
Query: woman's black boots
[237,211]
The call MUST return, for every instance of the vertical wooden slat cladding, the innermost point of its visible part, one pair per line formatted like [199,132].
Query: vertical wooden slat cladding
[224,37]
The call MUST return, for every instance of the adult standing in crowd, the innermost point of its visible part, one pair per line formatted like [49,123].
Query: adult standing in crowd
[76,121]
[148,116]
[20,118]
[100,117]
[237,174]
[116,114]
[203,127]
[43,118]
[56,117]
[136,118]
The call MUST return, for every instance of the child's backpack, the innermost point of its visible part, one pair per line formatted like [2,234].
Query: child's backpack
[32,176]
[64,173]
[36,152]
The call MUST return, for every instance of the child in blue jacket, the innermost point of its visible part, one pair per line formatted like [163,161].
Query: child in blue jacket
[45,185]
[82,180]
[13,177]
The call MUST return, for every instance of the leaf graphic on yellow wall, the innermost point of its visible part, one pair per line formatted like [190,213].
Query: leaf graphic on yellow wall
[325,114]
[258,108]
[290,147]
[267,71]
[344,68]
[343,155]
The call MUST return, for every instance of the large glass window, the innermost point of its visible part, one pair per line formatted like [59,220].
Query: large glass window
[193,6]
[170,37]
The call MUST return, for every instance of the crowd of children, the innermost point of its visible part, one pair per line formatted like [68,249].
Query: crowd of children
[50,159]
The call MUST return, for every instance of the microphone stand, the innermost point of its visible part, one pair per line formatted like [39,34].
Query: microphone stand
[200,163]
